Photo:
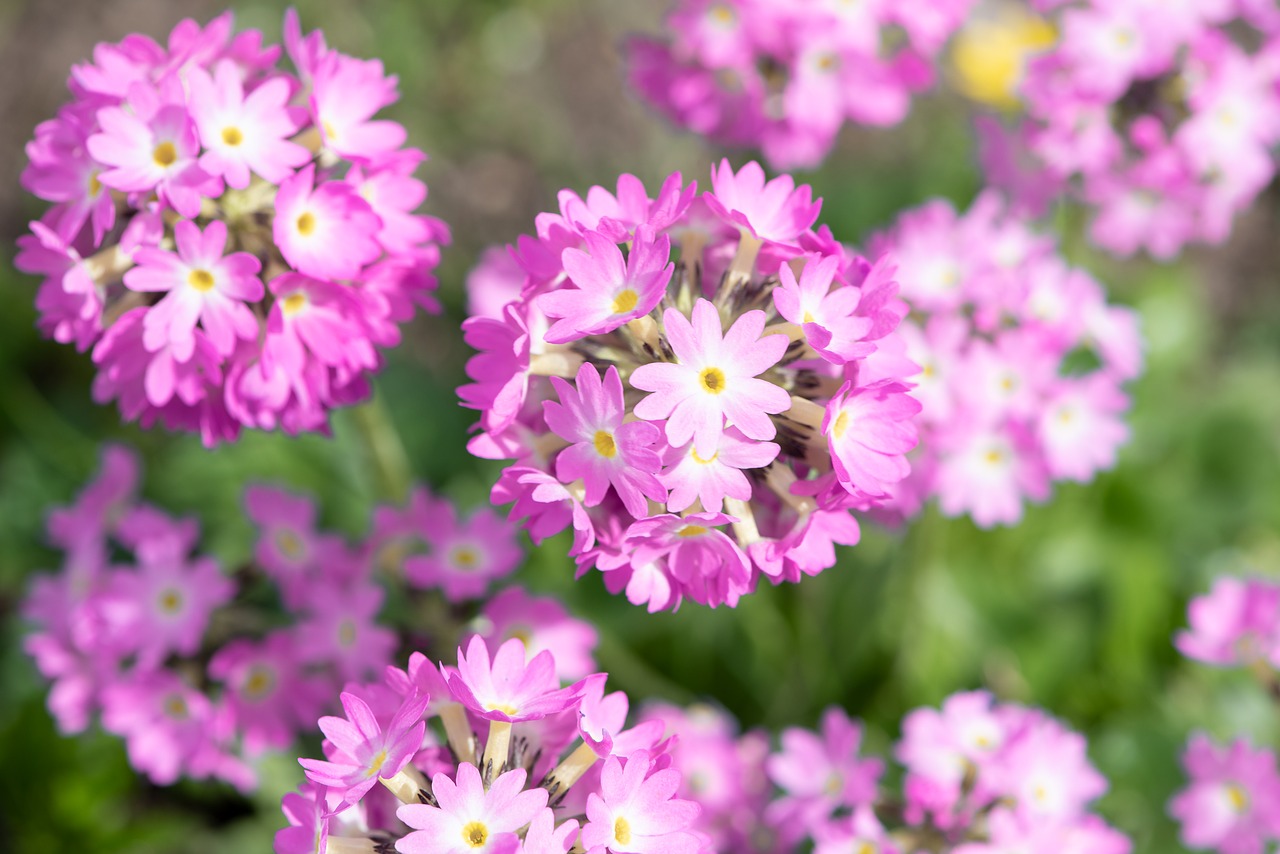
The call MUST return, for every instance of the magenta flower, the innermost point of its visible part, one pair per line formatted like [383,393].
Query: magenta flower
[604,451]
[542,623]
[469,819]
[170,600]
[325,230]
[827,316]
[361,751]
[340,628]
[288,545]
[637,811]
[244,133]
[713,378]
[464,557]
[511,687]
[610,290]
[270,697]
[346,92]
[1232,802]
[870,431]
[167,725]
[200,285]
[710,480]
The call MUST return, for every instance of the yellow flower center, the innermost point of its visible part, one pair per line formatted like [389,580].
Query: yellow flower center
[621,831]
[346,633]
[95,186]
[625,301]
[475,834]
[375,765]
[294,302]
[691,531]
[329,132]
[841,424]
[175,707]
[170,601]
[723,15]
[288,541]
[522,633]
[465,558]
[259,683]
[605,445]
[232,136]
[508,710]
[994,457]
[712,379]
[201,280]
[865,848]
[1238,798]
[833,785]
[698,459]
[165,154]
[306,223]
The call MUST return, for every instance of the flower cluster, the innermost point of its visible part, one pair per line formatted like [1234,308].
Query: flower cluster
[703,387]
[1022,361]
[1232,800]
[980,777]
[233,241]
[785,76]
[194,669]
[492,756]
[1162,120]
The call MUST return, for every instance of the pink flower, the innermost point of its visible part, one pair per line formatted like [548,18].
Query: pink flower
[604,451]
[713,378]
[469,818]
[166,724]
[637,811]
[346,92]
[820,774]
[1238,622]
[1232,803]
[709,480]
[326,231]
[269,695]
[243,133]
[870,431]
[511,687]
[542,623]
[169,602]
[620,217]
[827,316]
[288,543]
[361,751]
[464,557]
[610,290]
[201,285]
[340,629]
[775,211]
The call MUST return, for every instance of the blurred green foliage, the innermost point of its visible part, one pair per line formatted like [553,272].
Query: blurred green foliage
[1072,610]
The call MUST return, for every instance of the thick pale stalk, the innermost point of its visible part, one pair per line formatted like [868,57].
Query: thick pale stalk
[740,271]
[556,363]
[806,412]
[406,785]
[745,528]
[570,770]
[458,730]
[496,748]
[780,479]
[351,845]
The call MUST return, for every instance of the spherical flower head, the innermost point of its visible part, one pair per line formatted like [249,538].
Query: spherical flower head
[165,158]
[683,441]
[1231,802]
[469,818]
[510,687]
[713,378]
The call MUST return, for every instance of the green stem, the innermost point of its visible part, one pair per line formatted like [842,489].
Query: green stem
[384,449]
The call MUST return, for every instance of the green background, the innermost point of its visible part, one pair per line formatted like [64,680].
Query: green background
[1073,609]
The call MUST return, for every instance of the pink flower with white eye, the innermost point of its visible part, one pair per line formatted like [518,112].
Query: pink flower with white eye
[604,451]
[464,557]
[713,377]
[166,724]
[69,300]
[201,285]
[826,316]
[1045,769]
[512,687]
[171,600]
[711,567]
[315,324]
[345,94]
[340,629]
[1081,430]
[610,291]
[542,623]
[544,837]
[1232,802]
[710,480]
[269,695]
[361,751]
[325,231]
[870,431]
[637,811]
[987,471]
[244,133]
[820,774]
[151,145]
[547,504]
[61,170]
[470,819]
[1237,622]
[393,193]
[288,543]
[775,211]
[940,748]
[602,724]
